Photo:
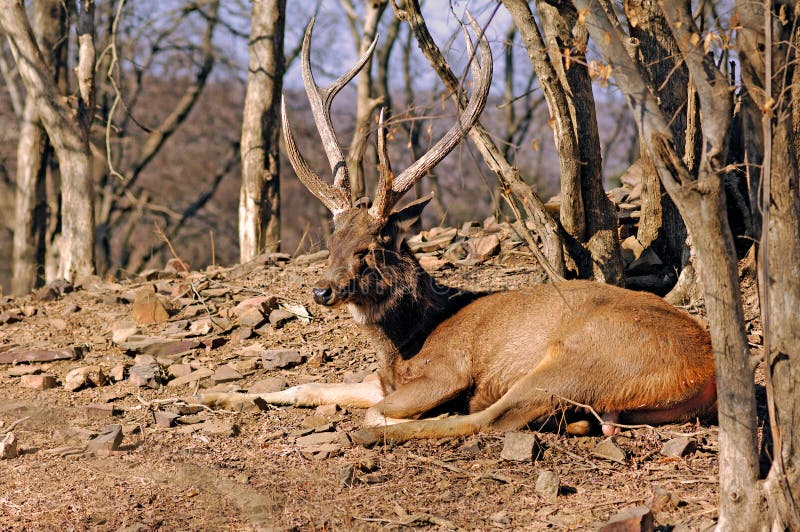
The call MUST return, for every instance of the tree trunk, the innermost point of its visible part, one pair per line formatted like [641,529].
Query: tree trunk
[702,204]
[259,199]
[366,103]
[68,131]
[30,217]
[661,227]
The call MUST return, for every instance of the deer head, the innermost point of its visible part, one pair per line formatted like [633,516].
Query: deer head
[370,264]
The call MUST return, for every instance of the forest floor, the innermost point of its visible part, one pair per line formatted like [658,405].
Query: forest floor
[285,468]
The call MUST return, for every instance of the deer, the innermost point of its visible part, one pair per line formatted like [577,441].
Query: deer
[512,357]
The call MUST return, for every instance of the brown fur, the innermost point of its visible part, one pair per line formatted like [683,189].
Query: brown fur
[514,353]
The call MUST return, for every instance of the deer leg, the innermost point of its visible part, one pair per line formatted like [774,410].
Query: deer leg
[360,395]
[530,398]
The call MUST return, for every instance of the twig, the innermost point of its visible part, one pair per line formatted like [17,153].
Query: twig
[15,424]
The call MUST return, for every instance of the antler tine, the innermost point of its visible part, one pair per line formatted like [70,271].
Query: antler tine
[387,194]
[383,194]
[337,200]
[321,100]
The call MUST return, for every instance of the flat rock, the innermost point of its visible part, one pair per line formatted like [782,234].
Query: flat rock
[159,347]
[148,308]
[117,373]
[17,355]
[164,419]
[311,258]
[38,382]
[145,375]
[609,450]
[122,330]
[636,519]
[107,441]
[268,385]
[263,304]
[8,446]
[22,369]
[322,452]
[241,334]
[432,264]
[226,374]
[84,376]
[321,438]
[179,370]
[548,484]
[200,327]
[219,428]
[196,375]
[482,248]
[678,447]
[273,359]
[520,446]
[279,317]
[99,410]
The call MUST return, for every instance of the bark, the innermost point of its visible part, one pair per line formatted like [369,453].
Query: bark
[67,129]
[661,226]
[518,194]
[701,202]
[600,238]
[30,217]
[366,102]
[259,199]
[779,246]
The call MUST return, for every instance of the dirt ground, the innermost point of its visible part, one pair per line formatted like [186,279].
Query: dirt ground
[252,474]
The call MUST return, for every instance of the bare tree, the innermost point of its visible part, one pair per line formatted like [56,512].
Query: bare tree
[259,199]
[30,217]
[67,128]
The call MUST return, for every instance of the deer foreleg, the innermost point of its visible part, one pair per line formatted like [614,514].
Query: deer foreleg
[361,395]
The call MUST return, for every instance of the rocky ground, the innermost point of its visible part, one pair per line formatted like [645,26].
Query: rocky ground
[98,429]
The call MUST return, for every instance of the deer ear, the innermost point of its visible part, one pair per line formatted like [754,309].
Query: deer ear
[404,218]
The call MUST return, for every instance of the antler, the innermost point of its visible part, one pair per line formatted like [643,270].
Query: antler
[391,188]
[337,197]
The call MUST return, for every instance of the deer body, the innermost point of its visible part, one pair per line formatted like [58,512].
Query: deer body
[513,355]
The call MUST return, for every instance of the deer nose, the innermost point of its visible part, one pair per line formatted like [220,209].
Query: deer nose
[322,295]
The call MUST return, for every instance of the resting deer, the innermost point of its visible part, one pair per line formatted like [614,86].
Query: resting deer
[514,355]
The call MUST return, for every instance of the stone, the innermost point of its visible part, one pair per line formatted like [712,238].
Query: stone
[200,327]
[315,422]
[117,373]
[631,249]
[179,370]
[547,484]
[520,447]
[107,441]
[219,428]
[8,446]
[84,376]
[636,193]
[326,411]
[678,447]
[483,247]
[252,318]
[145,375]
[609,450]
[148,308]
[636,519]
[268,385]
[38,382]
[22,369]
[164,419]
[273,359]
[617,195]
[159,347]
[263,304]
[500,519]
[455,252]
[15,356]
[99,410]
[279,317]
[58,324]
[122,330]
[196,375]
[53,291]
[240,334]
[431,264]
[321,452]
[311,258]
[226,374]
[470,228]
[321,438]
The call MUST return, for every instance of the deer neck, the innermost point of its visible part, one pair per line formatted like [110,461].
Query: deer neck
[400,324]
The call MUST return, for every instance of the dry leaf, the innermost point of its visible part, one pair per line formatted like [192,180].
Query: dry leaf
[298,310]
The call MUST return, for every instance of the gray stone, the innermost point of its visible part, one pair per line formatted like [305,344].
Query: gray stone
[22,370]
[107,441]
[547,484]
[38,382]
[8,446]
[268,385]
[520,446]
[164,419]
[609,450]
[122,330]
[226,374]
[279,317]
[636,519]
[17,355]
[200,373]
[678,447]
[272,359]
[145,375]
[321,438]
